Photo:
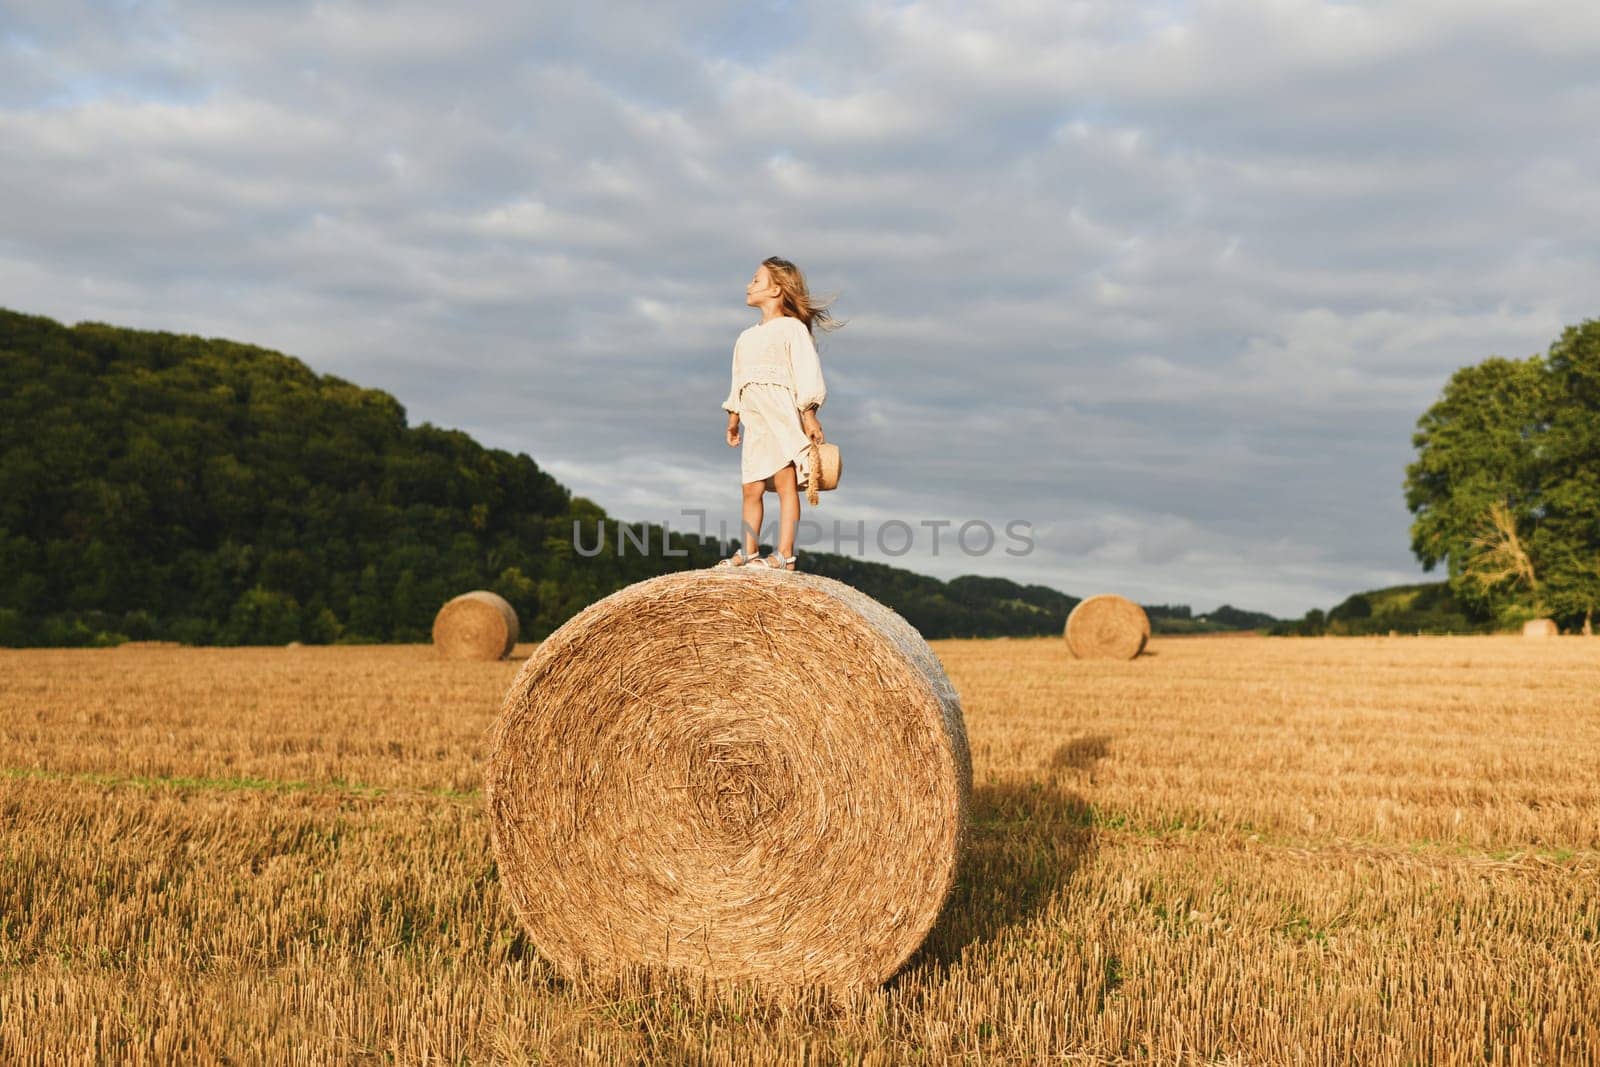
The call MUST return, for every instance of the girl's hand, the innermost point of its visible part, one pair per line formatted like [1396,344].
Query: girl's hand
[733,435]
[809,423]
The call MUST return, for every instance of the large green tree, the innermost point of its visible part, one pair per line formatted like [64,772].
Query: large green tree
[1569,530]
[1506,484]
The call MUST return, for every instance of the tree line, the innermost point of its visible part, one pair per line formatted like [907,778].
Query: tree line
[157,486]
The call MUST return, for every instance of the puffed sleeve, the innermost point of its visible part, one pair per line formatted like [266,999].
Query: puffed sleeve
[732,403]
[806,368]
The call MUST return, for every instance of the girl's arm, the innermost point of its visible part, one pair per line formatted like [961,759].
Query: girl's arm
[731,405]
[809,390]
[809,423]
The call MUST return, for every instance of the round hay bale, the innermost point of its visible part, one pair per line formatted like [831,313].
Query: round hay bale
[749,774]
[1540,628]
[1107,627]
[477,625]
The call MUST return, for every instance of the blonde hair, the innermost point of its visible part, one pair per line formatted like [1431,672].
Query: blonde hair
[795,300]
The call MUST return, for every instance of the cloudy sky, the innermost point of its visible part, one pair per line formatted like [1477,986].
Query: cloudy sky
[1169,281]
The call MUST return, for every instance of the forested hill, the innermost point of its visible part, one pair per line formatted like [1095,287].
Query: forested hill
[167,487]
[1424,608]
[155,486]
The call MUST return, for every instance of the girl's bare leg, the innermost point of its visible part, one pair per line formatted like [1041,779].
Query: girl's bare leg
[788,508]
[752,518]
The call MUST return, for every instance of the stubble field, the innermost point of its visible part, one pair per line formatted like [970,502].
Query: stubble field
[1237,851]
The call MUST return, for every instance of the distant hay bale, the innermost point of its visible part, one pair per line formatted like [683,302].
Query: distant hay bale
[751,774]
[1540,628]
[1107,627]
[477,625]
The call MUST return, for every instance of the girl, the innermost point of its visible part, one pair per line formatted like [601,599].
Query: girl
[777,389]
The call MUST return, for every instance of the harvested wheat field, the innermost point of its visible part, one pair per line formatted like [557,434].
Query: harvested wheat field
[1271,851]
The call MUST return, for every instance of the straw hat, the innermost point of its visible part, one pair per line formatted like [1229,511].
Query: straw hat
[826,462]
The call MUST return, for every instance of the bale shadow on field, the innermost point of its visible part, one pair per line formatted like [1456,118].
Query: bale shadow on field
[1028,838]
[1080,754]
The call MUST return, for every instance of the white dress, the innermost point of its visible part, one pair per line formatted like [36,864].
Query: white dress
[776,375]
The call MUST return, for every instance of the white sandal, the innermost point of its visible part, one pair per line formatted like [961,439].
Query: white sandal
[785,563]
[738,554]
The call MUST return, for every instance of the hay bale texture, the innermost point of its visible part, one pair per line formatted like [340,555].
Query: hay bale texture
[749,774]
[477,625]
[1539,628]
[1107,627]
